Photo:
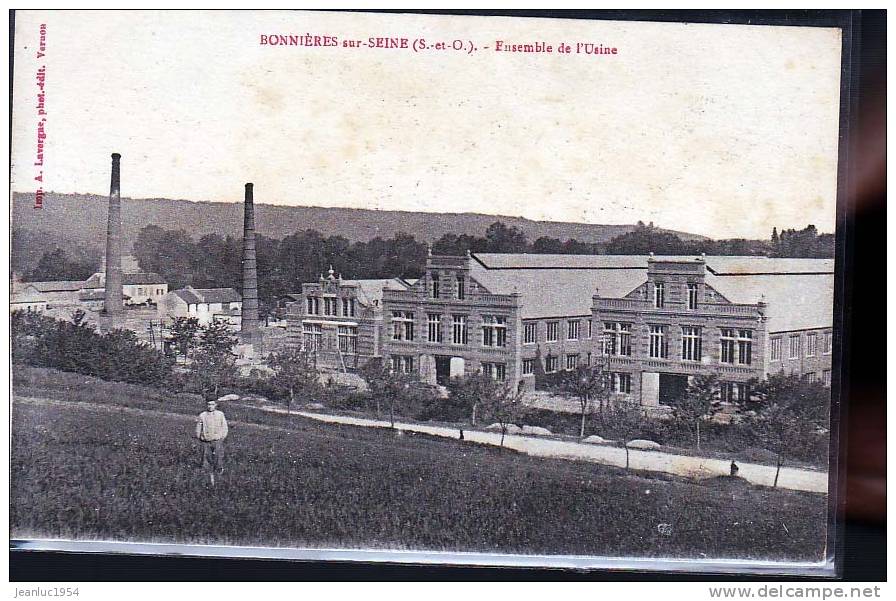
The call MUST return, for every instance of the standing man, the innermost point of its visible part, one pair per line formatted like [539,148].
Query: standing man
[211,430]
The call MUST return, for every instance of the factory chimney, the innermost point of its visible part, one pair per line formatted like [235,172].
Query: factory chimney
[114,303]
[250,331]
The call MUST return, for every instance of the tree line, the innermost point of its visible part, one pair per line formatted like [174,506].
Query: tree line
[214,261]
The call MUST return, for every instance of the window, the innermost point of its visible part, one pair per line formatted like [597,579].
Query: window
[494,330]
[692,296]
[459,334]
[659,295]
[811,344]
[617,338]
[330,306]
[590,325]
[744,347]
[733,392]
[811,377]
[497,371]
[434,327]
[777,343]
[729,340]
[572,330]
[530,332]
[691,343]
[553,331]
[402,325]
[528,367]
[312,336]
[435,285]
[659,344]
[572,361]
[461,288]
[348,307]
[402,364]
[313,305]
[826,377]
[550,364]
[827,342]
[621,382]
[348,339]
[588,359]
[795,346]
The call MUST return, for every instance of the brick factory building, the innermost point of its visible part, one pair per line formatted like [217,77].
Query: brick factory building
[496,313]
[739,318]
[340,321]
[656,321]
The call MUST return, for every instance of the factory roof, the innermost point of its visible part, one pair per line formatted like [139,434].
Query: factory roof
[799,292]
[97,280]
[194,296]
[795,301]
[27,294]
[371,291]
[57,286]
[143,277]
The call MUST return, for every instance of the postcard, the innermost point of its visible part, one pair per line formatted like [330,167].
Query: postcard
[436,288]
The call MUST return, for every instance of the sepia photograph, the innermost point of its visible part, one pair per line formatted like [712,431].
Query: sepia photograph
[428,288]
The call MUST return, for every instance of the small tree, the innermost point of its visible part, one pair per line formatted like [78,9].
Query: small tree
[184,332]
[214,364]
[700,401]
[217,338]
[387,386]
[624,420]
[294,372]
[375,373]
[468,392]
[586,384]
[788,411]
[503,403]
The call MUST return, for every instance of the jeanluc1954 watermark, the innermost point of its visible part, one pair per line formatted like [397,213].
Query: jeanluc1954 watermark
[46,591]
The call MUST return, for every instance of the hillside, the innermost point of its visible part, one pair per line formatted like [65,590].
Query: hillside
[119,464]
[81,218]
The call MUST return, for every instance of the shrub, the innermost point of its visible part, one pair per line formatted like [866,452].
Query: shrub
[76,347]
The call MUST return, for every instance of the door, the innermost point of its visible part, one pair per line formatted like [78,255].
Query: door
[443,370]
[457,367]
[672,388]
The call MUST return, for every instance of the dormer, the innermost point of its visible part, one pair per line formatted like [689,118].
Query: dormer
[447,277]
[675,282]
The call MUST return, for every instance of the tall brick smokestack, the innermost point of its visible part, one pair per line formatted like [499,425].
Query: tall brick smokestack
[250,326]
[114,304]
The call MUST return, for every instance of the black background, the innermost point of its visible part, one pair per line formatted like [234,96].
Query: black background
[864,557]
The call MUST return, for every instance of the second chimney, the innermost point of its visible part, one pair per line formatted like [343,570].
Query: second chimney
[114,301]
[250,326]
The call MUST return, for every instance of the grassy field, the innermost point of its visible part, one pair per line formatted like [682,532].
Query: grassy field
[125,467]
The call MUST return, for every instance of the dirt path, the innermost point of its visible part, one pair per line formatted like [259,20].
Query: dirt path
[654,461]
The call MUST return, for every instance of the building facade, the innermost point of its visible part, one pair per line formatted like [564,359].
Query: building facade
[738,318]
[59,294]
[449,324]
[339,321]
[26,297]
[656,321]
[208,305]
[138,288]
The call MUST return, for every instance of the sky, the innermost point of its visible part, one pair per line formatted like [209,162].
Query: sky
[720,130]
